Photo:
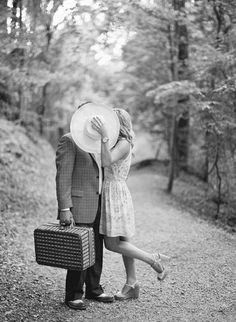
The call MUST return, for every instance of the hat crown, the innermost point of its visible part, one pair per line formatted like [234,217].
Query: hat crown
[85,136]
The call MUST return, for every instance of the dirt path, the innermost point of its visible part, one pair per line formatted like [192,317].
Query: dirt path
[199,287]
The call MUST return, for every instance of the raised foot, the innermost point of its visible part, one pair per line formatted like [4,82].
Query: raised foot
[159,267]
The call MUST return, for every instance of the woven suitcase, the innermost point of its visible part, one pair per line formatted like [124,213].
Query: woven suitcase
[65,247]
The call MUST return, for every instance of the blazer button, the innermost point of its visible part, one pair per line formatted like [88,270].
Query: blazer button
[97,177]
[97,193]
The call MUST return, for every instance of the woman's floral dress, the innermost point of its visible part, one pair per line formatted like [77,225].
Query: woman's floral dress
[117,213]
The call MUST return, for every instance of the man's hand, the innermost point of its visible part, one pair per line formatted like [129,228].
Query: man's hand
[66,218]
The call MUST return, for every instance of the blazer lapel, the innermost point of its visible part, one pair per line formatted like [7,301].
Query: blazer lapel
[94,159]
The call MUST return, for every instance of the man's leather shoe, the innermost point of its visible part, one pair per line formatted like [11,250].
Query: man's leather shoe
[101,298]
[76,305]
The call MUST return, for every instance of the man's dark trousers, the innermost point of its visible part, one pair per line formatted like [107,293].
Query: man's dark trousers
[91,277]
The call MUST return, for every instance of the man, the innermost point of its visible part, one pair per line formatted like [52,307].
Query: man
[78,186]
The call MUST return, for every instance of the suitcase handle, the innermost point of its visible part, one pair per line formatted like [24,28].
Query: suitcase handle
[63,226]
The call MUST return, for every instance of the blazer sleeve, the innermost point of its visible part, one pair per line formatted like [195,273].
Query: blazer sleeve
[65,159]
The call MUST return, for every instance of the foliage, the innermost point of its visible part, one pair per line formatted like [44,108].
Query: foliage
[153,96]
[170,63]
[217,81]
[39,81]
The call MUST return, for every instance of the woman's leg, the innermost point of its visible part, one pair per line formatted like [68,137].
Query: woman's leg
[115,244]
[129,264]
[130,270]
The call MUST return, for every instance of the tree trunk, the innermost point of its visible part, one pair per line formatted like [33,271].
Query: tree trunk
[43,108]
[224,24]
[173,159]
[173,54]
[179,71]
[20,21]
[183,124]
[21,103]
[14,16]
[14,19]
[173,134]
[3,21]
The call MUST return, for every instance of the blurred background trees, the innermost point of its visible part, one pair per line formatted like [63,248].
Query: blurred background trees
[170,63]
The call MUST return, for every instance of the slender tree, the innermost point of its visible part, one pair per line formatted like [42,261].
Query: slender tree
[178,44]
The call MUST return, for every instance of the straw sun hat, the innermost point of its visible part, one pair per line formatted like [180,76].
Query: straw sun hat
[82,132]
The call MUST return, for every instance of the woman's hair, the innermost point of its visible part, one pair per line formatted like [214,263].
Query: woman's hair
[126,129]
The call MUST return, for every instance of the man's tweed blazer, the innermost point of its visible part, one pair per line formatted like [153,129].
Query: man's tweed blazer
[77,181]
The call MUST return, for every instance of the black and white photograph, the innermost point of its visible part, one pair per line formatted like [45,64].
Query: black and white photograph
[117,160]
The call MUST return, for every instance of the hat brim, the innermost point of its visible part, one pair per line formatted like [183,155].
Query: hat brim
[78,123]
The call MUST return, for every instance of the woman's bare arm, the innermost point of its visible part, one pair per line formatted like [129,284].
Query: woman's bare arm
[120,151]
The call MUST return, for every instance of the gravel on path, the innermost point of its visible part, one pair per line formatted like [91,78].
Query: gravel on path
[201,281]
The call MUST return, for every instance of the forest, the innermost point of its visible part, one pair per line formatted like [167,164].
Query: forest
[170,63]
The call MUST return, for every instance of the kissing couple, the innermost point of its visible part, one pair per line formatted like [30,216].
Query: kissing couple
[93,163]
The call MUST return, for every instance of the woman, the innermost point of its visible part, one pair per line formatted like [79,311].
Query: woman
[117,215]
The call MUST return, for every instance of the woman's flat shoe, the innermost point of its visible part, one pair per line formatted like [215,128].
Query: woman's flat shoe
[128,292]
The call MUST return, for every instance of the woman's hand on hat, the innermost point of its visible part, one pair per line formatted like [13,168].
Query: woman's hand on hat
[99,126]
